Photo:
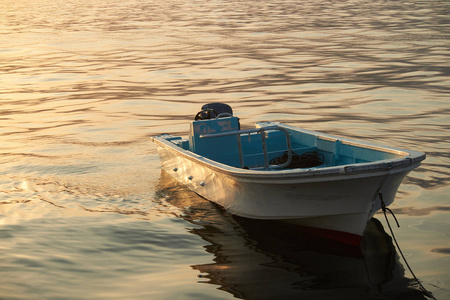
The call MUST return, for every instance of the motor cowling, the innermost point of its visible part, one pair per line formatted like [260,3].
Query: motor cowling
[213,111]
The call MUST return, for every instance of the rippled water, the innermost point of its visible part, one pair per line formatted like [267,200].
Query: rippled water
[86,212]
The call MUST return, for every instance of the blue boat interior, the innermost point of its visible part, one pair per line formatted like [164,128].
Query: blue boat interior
[225,148]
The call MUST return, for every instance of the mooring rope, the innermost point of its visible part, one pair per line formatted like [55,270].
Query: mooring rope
[384,208]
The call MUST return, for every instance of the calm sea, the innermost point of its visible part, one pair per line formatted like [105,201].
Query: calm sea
[85,211]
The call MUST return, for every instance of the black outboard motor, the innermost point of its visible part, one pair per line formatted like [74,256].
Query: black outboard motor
[213,111]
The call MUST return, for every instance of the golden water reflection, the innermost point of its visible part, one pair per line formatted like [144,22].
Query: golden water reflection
[84,83]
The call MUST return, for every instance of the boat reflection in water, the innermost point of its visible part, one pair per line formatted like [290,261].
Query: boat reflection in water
[258,259]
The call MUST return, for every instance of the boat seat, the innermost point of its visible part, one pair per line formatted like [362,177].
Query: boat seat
[223,149]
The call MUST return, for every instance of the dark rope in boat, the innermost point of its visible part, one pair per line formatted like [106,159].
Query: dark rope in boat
[384,208]
[306,160]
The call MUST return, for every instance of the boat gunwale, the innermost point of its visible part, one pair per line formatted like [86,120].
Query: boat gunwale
[345,141]
[411,160]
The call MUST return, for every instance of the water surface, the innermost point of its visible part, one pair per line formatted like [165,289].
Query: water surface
[86,212]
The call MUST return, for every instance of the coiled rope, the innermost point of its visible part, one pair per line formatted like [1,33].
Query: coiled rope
[306,160]
[384,208]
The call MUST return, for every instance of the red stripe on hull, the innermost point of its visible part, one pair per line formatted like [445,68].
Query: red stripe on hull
[343,237]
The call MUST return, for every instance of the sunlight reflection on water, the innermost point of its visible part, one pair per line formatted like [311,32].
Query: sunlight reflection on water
[85,83]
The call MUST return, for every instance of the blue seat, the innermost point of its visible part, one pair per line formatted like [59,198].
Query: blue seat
[223,149]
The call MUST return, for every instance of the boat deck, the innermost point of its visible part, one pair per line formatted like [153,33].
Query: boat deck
[335,151]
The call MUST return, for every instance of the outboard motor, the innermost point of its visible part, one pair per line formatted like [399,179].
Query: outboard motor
[214,111]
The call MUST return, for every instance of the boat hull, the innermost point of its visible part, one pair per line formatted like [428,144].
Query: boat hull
[333,202]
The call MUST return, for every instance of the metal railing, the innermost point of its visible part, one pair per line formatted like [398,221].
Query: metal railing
[261,131]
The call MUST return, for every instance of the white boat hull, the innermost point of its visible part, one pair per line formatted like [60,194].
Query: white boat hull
[337,201]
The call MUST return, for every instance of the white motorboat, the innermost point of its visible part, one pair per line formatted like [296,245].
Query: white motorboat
[328,184]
